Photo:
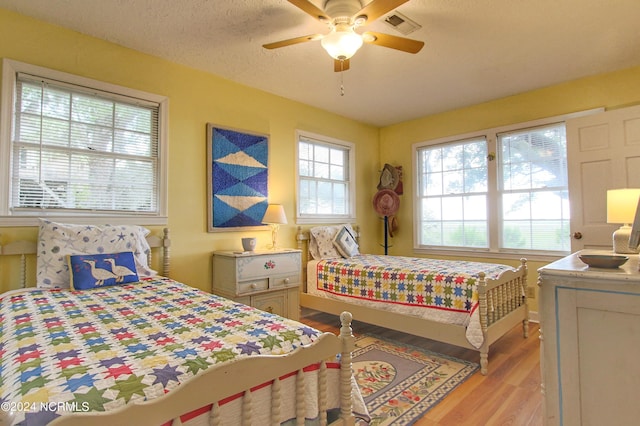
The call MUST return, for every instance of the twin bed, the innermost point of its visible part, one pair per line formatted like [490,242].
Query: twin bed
[121,348]
[467,304]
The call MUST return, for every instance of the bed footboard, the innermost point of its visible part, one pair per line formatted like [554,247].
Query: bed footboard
[501,302]
[498,298]
[244,377]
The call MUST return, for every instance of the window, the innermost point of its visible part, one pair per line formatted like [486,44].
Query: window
[326,186]
[453,183]
[80,148]
[533,189]
[503,190]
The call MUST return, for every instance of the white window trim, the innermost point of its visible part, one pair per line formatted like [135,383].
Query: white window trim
[494,215]
[350,217]
[10,68]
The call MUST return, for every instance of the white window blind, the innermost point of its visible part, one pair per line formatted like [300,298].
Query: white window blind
[77,149]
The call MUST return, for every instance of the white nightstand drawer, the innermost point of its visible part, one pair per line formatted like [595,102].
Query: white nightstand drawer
[252,286]
[271,264]
[274,303]
[284,281]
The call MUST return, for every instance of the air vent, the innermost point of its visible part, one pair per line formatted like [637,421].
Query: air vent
[401,23]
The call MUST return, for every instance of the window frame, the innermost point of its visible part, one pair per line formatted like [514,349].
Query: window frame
[350,149]
[494,193]
[10,70]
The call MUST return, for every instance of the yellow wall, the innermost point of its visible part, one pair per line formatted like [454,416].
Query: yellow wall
[613,90]
[195,99]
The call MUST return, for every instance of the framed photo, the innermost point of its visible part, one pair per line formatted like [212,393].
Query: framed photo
[237,179]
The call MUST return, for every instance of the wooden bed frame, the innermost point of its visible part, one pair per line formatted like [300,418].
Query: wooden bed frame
[225,379]
[502,306]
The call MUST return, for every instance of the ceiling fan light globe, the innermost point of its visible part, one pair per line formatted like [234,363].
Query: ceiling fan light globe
[341,45]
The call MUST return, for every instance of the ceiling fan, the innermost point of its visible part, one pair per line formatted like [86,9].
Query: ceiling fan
[343,17]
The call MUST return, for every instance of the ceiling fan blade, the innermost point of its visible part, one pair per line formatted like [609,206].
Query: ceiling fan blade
[289,42]
[377,8]
[394,42]
[311,9]
[340,65]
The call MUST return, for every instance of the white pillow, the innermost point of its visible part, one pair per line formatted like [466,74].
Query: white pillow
[345,242]
[57,240]
[321,242]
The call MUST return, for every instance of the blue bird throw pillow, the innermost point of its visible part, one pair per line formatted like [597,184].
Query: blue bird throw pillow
[99,270]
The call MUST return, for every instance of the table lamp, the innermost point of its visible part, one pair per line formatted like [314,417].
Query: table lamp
[621,208]
[274,216]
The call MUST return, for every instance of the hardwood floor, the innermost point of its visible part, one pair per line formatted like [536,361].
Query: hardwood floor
[508,395]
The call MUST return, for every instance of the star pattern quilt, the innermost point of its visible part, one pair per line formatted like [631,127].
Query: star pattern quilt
[433,283]
[99,349]
[440,290]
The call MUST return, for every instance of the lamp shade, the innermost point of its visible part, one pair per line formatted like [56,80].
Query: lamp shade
[274,215]
[341,44]
[621,205]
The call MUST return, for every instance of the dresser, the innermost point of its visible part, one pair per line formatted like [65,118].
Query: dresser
[590,342]
[268,280]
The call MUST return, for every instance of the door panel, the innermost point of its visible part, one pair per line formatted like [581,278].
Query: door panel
[603,152]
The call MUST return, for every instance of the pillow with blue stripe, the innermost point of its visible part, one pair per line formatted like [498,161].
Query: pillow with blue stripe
[89,271]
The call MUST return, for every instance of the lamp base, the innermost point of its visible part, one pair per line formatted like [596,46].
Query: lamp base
[621,240]
[274,236]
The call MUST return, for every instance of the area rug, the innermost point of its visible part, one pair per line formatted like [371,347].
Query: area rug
[400,383]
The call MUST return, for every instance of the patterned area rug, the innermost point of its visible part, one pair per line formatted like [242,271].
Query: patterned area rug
[400,383]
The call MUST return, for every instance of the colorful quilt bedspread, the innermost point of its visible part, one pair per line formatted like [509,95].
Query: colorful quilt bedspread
[430,283]
[99,349]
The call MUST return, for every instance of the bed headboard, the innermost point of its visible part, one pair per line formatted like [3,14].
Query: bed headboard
[24,248]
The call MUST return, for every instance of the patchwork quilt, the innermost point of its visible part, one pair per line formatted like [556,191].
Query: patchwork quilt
[65,350]
[442,290]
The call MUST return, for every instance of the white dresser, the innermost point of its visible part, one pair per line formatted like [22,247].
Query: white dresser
[268,280]
[590,342]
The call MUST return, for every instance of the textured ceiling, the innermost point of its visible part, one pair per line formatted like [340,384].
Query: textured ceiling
[475,50]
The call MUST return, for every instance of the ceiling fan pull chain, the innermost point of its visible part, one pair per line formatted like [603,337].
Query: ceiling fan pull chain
[342,77]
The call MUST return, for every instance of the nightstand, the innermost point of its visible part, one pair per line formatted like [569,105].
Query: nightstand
[268,280]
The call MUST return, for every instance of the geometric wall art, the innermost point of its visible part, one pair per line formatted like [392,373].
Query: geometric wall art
[237,183]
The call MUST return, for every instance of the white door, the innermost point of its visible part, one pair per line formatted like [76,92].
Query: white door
[603,152]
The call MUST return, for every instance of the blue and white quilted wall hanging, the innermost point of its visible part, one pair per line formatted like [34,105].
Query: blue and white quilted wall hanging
[238,179]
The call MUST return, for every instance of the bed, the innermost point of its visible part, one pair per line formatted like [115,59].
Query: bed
[467,304]
[141,348]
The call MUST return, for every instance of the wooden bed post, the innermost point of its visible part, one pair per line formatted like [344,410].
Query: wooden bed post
[166,255]
[525,321]
[23,271]
[300,238]
[346,372]
[482,305]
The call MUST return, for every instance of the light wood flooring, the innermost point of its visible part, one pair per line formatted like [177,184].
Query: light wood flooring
[508,395]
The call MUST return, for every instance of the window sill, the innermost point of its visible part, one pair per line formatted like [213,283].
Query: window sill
[15,221]
[323,220]
[486,254]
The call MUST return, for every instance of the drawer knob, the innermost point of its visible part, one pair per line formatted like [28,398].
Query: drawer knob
[286,280]
[253,286]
